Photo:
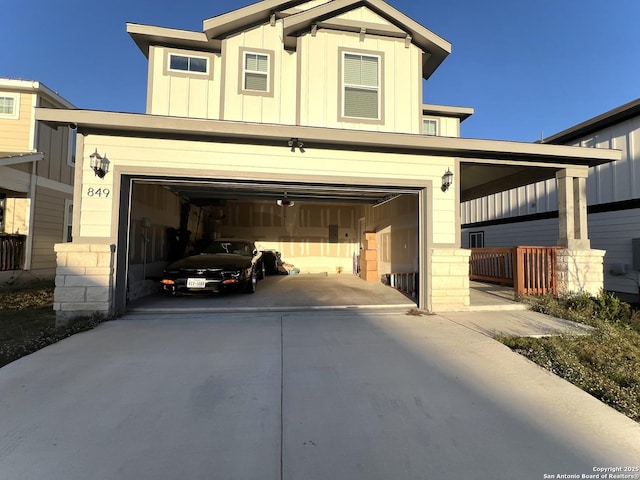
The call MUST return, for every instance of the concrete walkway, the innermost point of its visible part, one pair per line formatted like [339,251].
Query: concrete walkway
[322,395]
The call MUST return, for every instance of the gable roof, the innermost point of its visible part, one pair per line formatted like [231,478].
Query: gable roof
[32,86]
[297,22]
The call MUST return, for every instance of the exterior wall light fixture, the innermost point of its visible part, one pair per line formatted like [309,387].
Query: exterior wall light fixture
[447,180]
[285,202]
[99,164]
[296,143]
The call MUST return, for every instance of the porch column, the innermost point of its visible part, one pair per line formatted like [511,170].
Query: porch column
[84,281]
[580,269]
[572,206]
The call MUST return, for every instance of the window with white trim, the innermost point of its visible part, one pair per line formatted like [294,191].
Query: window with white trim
[361,86]
[430,126]
[9,105]
[255,72]
[476,240]
[184,63]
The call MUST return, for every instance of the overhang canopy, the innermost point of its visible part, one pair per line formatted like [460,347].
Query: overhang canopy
[7,158]
[486,166]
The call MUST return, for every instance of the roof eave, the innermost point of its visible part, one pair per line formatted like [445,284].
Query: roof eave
[474,149]
[219,26]
[607,119]
[461,113]
[147,35]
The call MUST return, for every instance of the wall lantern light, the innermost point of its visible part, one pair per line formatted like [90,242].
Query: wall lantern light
[99,164]
[296,143]
[447,180]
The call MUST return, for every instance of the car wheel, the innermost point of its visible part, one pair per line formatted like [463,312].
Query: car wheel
[251,284]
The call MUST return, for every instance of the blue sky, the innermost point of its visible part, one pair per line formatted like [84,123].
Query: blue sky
[526,67]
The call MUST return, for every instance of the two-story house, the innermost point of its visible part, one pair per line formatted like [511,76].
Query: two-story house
[36,182]
[529,215]
[299,124]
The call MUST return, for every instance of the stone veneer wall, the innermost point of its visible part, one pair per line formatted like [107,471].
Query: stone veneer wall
[84,280]
[449,279]
[580,271]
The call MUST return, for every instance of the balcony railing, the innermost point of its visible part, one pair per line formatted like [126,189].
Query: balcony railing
[529,270]
[12,248]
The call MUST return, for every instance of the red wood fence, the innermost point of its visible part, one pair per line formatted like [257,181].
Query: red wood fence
[529,270]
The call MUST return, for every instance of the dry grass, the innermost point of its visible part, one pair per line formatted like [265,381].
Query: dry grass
[27,321]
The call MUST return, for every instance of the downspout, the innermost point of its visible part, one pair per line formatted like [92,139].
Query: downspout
[35,102]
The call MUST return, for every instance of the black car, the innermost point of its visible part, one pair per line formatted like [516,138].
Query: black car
[224,265]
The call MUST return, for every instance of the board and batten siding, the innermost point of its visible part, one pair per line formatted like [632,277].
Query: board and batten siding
[54,143]
[613,231]
[181,94]
[194,159]
[536,232]
[447,126]
[321,85]
[306,84]
[48,229]
[279,104]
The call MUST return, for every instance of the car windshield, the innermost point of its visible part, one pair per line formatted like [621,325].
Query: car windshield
[238,248]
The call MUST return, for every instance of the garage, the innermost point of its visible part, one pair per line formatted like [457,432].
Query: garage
[212,177]
[317,229]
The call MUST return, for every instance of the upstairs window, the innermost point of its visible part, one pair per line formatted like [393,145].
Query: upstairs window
[361,95]
[429,126]
[9,105]
[183,63]
[255,72]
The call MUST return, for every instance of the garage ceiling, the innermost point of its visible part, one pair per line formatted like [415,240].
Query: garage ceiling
[214,193]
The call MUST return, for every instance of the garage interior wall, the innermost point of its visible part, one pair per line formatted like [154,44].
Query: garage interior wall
[396,225]
[314,237]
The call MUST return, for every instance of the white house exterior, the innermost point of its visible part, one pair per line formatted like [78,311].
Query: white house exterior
[529,215]
[320,101]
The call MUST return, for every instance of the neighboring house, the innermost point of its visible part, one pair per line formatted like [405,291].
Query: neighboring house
[36,178]
[529,215]
[299,124]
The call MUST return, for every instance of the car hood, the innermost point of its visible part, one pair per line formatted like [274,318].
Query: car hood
[208,260]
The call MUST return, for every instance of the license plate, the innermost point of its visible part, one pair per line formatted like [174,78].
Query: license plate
[196,282]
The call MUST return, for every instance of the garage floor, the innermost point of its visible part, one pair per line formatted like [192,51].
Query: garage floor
[286,291]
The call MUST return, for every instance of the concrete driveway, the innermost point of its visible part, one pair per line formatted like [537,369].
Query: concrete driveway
[324,395]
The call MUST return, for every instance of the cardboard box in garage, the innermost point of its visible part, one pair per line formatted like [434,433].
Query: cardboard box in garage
[369,255]
[368,265]
[370,241]
[371,276]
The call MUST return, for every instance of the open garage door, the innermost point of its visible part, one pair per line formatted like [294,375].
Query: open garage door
[315,229]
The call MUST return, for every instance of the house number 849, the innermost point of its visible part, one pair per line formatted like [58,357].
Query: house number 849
[98,192]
